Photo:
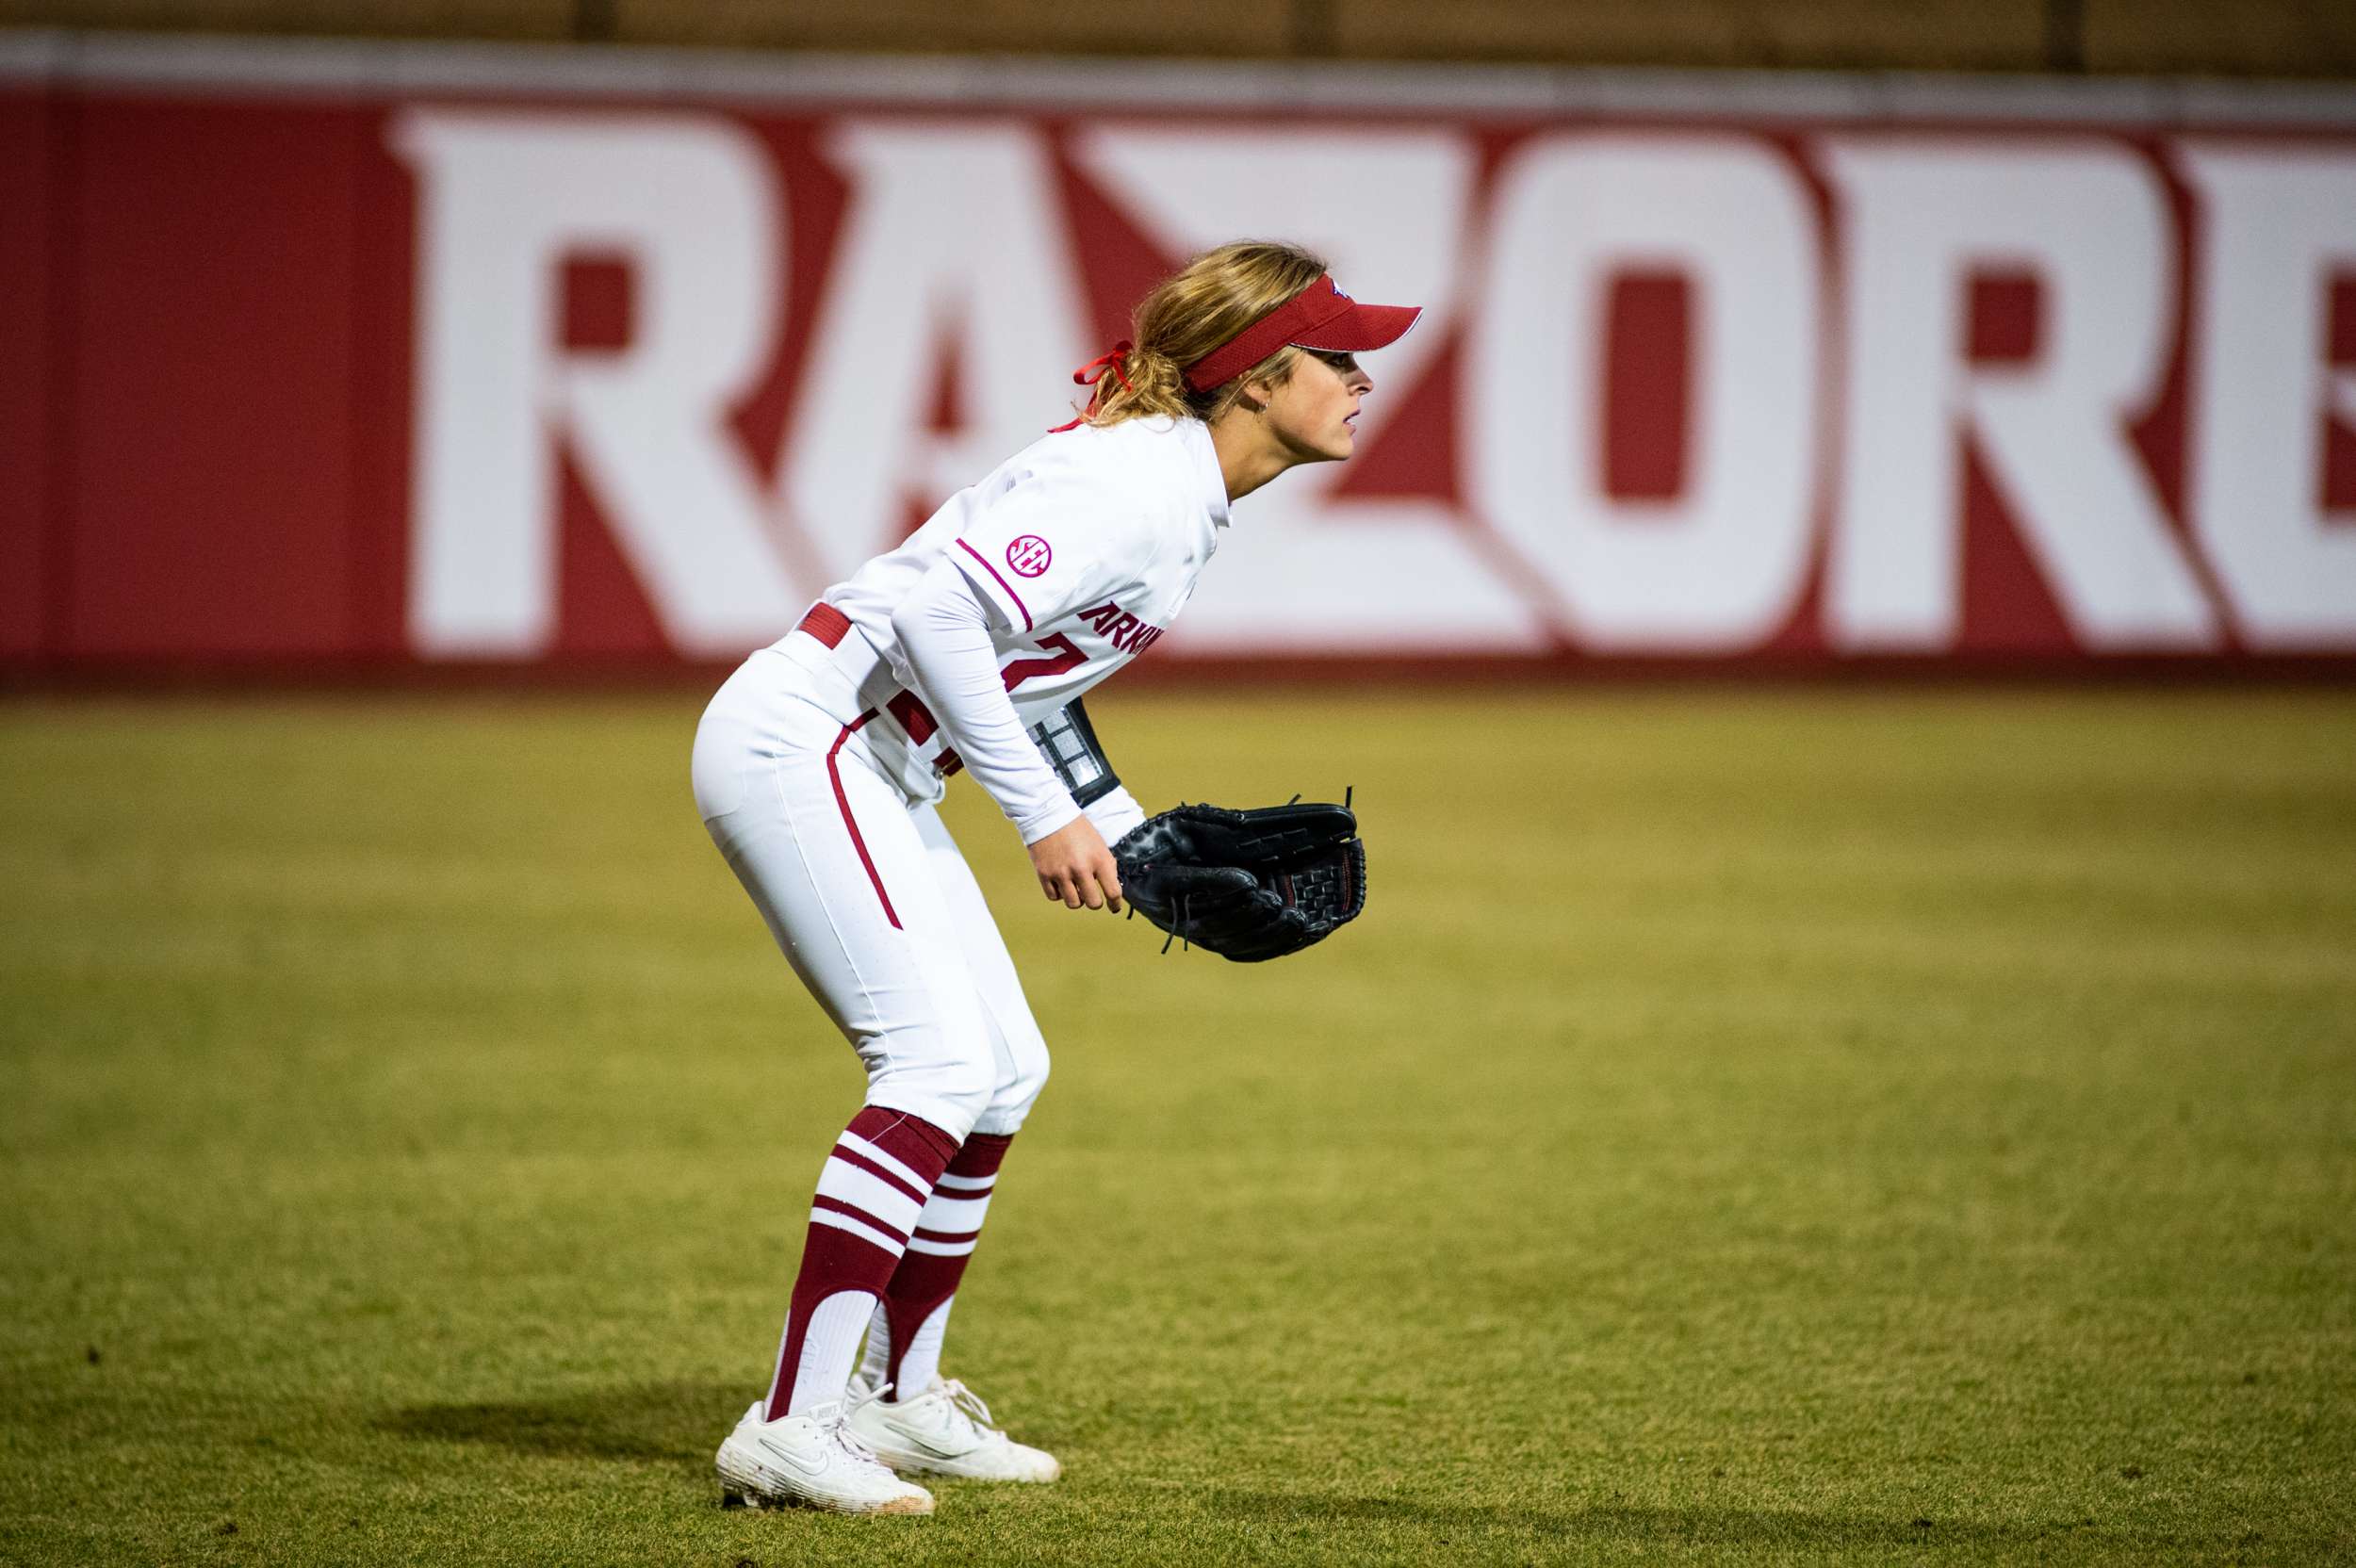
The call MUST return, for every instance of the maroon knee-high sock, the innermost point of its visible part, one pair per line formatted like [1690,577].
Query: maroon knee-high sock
[870,1194]
[904,1333]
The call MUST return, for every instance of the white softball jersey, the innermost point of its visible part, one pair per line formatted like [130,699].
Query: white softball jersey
[1082,549]
[817,763]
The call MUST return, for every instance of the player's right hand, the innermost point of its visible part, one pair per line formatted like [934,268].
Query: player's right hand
[1075,869]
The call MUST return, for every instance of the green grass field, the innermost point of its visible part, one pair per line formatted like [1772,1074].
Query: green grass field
[1766,1127]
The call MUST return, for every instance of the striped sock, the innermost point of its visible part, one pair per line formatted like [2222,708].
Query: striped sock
[870,1195]
[904,1333]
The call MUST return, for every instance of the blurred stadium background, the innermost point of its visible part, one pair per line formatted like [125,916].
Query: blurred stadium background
[1840,626]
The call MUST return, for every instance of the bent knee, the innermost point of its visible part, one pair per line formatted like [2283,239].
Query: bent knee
[951,1093]
[1019,1087]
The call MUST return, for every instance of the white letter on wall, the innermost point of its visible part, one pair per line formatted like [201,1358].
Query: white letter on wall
[1916,216]
[954,234]
[1720,566]
[504,198]
[2280,222]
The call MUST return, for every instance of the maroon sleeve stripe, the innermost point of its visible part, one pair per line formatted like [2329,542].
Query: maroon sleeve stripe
[1002,582]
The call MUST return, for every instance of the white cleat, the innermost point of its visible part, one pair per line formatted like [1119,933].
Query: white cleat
[811,1460]
[944,1431]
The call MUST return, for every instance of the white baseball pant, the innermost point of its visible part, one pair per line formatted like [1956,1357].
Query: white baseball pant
[870,900]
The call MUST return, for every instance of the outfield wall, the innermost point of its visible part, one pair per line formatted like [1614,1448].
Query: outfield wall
[399,356]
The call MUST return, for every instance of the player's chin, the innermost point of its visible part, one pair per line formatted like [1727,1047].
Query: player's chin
[1332,446]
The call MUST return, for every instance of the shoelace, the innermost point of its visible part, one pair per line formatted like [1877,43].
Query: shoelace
[968,1404]
[851,1404]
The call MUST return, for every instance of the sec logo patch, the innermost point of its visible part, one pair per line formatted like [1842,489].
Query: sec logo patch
[1029,555]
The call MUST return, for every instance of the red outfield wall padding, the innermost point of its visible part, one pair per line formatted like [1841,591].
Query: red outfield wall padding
[32,392]
[209,459]
[313,374]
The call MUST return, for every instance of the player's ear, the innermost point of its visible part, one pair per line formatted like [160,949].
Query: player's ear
[1260,391]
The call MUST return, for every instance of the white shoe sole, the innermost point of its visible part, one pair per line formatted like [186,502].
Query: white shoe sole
[745,1481]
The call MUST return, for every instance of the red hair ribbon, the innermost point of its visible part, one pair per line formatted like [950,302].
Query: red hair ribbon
[1092,375]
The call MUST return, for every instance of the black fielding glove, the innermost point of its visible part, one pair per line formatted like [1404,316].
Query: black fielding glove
[1249,884]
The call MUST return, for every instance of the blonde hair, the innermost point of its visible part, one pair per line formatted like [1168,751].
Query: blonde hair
[1216,297]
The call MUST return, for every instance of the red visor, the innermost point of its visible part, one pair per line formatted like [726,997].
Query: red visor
[1320,316]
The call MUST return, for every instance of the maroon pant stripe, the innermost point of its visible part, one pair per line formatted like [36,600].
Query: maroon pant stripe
[834,777]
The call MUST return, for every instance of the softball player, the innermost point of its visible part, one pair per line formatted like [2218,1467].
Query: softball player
[816,770]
